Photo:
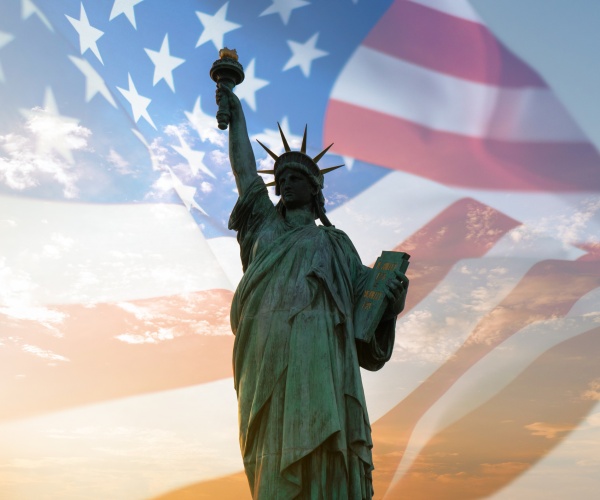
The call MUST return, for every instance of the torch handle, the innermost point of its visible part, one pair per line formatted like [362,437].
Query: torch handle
[223,114]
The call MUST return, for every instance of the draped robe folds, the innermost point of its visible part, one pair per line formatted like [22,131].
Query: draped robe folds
[304,428]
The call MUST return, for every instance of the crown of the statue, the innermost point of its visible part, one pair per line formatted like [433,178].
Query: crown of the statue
[296,159]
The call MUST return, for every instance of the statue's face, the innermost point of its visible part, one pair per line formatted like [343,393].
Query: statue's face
[295,188]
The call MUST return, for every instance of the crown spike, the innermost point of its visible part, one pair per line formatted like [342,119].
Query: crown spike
[283,139]
[303,149]
[320,155]
[271,154]
[329,169]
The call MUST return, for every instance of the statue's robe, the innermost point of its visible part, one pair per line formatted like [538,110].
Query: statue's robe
[304,428]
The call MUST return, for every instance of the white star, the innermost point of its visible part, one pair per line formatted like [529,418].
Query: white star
[303,54]
[88,35]
[205,125]
[215,27]
[251,84]
[194,158]
[284,8]
[94,84]
[28,9]
[124,7]
[138,103]
[185,193]
[4,39]
[164,63]
[53,131]
[348,162]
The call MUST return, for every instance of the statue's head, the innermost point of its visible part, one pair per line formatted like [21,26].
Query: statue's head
[299,188]
[300,162]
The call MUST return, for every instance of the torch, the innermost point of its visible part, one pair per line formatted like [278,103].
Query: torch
[229,72]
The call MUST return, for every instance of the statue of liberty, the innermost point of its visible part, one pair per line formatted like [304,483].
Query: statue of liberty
[303,424]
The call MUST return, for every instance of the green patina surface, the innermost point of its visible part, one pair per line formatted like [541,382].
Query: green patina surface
[304,427]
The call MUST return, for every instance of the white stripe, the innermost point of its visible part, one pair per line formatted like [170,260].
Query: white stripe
[384,214]
[449,104]
[81,253]
[456,8]
[496,370]
[128,449]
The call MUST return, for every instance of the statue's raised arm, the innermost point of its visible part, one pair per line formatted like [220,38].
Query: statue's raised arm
[241,156]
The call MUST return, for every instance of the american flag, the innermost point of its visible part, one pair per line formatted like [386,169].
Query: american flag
[117,268]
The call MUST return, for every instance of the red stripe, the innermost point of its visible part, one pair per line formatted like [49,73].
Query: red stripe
[458,160]
[467,229]
[102,367]
[548,290]
[493,445]
[593,251]
[449,45]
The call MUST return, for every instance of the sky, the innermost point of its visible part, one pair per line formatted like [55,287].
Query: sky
[102,435]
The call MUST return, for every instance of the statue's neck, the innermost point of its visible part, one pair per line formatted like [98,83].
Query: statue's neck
[299,217]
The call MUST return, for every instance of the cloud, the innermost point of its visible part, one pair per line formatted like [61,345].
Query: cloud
[422,337]
[119,163]
[58,246]
[16,299]
[161,188]
[265,164]
[55,133]
[206,187]
[219,157]
[549,431]
[570,227]
[510,469]
[172,317]
[176,130]
[158,154]
[593,392]
[480,224]
[43,353]
[22,168]
[147,337]
[335,198]
[42,152]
